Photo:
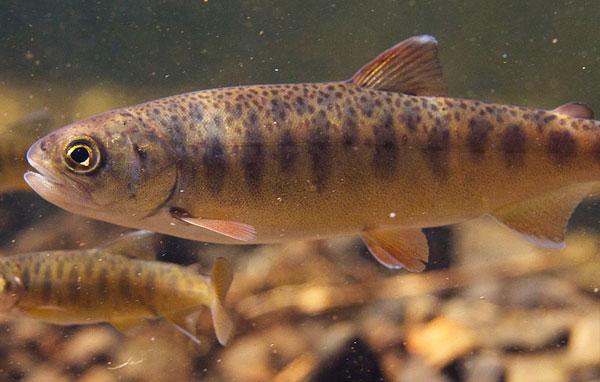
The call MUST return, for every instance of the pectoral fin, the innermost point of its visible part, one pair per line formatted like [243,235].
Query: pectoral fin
[398,248]
[234,230]
[543,220]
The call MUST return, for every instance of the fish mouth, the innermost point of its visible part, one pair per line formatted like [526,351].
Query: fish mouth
[55,187]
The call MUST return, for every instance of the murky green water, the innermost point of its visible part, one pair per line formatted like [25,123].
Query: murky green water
[307,312]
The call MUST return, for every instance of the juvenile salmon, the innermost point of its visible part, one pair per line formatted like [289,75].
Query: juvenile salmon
[104,285]
[380,156]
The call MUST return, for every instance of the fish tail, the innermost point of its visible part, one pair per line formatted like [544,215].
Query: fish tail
[221,278]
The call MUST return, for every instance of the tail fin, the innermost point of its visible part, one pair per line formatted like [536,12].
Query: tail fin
[221,277]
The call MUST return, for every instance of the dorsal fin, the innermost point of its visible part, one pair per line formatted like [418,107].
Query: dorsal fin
[576,110]
[411,66]
[134,244]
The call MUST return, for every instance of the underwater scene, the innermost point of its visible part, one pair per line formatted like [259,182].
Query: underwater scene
[300,191]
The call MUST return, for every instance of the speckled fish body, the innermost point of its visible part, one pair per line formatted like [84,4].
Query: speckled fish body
[317,160]
[88,286]
[80,288]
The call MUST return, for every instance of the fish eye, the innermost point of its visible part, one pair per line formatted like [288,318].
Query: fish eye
[10,285]
[82,155]
[10,291]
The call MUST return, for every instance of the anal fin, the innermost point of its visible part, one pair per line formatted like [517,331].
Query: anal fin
[398,248]
[543,220]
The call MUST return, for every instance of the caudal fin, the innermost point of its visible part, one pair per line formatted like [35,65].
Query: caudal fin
[221,278]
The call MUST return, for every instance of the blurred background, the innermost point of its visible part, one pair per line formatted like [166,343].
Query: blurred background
[489,308]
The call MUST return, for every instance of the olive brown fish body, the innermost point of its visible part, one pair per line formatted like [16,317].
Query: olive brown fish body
[384,151]
[83,287]
[342,166]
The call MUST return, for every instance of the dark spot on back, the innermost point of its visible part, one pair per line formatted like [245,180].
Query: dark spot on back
[300,105]
[215,164]
[253,155]
[278,111]
[411,119]
[177,134]
[287,152]
[385,159]
[437,148]
[561,146]
[512,145]
[196,112]
[319,150]
[217,122]
[350,127]
[477,136]
[366,105]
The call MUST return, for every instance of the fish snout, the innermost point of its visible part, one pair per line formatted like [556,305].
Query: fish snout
[35,153]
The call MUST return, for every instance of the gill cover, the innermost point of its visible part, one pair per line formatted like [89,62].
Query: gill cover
[105,166]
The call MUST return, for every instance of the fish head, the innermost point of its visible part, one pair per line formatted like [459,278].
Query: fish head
[110,167]
[11,290]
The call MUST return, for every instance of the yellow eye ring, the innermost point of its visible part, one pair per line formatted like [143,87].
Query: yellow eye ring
[82,155]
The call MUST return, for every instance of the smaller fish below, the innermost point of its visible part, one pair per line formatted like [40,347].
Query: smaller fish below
[113,284]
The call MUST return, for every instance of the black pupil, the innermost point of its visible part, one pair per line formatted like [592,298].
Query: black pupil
[80,155]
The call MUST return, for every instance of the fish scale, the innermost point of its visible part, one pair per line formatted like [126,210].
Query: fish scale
[380,156]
